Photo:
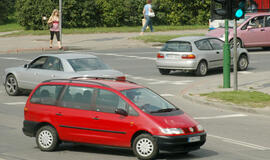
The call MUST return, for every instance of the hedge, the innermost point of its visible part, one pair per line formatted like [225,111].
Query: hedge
[112,13]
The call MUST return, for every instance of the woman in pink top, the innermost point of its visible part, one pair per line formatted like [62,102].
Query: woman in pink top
[54,23]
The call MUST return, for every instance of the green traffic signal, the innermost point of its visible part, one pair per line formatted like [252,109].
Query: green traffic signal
[239,13]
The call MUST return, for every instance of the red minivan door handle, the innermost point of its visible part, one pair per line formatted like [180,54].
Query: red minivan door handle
[58,114]
[96,118]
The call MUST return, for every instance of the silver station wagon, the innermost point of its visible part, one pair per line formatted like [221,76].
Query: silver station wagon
[55,66]
[197,54]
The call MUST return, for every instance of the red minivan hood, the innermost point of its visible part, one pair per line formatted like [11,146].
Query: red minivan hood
[179,121]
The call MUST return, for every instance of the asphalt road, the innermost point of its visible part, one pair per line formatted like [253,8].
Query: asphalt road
[231,135]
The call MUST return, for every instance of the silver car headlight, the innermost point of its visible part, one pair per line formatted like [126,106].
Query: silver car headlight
[172,130]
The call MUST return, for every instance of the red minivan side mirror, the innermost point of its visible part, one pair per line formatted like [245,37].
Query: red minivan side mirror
[121,112]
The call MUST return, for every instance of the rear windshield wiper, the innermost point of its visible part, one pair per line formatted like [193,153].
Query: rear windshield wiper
[164,110]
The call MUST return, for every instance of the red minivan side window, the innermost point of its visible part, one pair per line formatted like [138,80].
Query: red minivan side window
[47,94]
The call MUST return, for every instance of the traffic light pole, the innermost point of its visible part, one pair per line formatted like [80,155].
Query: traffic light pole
[235,77]
[226,57]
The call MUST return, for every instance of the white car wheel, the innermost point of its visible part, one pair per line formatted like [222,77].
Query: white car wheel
[11,85]
[242,63]
[46,138]
[145,147]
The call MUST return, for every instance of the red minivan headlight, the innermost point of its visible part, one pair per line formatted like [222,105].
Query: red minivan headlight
[172,130]
[200,128]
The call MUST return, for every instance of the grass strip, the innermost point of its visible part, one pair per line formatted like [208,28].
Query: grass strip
[98,29]
[253,99]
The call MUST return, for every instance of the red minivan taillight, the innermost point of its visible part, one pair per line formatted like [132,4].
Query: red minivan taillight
[160,55]
[188,56]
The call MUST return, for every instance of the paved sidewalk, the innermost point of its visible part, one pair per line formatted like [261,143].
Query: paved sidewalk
[102,41]
[246,81]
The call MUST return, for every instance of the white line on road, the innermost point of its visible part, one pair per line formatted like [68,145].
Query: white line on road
[159,82]
[15,103]
[167,95]
[222,116]
[245,72]
[245,144]
[13,58]
[127,56]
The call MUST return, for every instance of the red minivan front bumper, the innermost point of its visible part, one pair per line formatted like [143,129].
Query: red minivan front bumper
[180,144]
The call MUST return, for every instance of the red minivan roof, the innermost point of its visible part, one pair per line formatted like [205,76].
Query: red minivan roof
[115,84]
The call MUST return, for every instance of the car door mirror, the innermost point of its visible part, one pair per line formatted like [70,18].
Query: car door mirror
[26,66]
[121,112]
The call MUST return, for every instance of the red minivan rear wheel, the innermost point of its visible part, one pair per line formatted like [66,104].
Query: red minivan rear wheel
[145,147]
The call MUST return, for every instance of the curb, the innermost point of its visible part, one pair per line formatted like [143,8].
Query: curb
[233,107]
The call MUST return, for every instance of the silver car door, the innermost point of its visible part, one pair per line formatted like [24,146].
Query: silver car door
[30,74]
[207,52]
[52,69]
[217,46]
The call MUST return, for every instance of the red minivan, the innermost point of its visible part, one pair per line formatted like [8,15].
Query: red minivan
[108,112]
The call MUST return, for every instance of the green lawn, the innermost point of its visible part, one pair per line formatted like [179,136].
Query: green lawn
[12,27]
[245,98]
[162,38]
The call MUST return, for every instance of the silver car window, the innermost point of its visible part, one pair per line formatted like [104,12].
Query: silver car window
[177,46]
[87,64]
[203,45]
[38,63]
[53,63]
[216,44]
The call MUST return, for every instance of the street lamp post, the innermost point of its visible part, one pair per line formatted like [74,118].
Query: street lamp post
[60,20]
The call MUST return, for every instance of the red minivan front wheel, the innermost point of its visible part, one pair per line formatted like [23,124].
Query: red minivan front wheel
[145,147]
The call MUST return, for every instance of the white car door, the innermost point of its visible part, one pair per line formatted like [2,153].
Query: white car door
[217,46]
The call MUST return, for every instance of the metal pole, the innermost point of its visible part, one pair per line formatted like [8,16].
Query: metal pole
[227,58]
[235,86]
[60,20]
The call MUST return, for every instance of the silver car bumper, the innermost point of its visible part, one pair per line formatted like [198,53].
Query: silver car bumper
[175,64]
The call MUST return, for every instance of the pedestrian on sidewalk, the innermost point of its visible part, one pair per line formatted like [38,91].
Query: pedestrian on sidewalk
[53,23]
[148,14]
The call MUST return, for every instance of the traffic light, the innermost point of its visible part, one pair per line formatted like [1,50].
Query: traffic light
[239,9]
[221,9]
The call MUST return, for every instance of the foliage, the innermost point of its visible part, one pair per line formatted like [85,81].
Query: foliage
[3,11]
[112,13]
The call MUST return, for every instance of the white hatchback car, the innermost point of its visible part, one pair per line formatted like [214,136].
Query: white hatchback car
[196,53]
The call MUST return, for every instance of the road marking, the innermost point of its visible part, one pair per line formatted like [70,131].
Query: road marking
[245,72]
[221,117]
[15,103]
[245,144]
[120,55]
[167,95]
[13,58]
[159,82]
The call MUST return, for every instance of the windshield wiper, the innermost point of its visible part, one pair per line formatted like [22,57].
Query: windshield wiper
[164,110]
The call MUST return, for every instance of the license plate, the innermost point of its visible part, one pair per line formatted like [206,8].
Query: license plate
[194,139]
[173,56]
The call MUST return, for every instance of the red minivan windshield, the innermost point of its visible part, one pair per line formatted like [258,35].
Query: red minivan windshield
[150,102]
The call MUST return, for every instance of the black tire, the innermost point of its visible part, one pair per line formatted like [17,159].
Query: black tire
[266,48]
[238,42]
[242,63]
[164,71]
[47,139]
[145,147]
[11,85]
[202,69]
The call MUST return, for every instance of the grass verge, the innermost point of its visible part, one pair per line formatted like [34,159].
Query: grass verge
[163,38]
[99,29]
[253,99]
[10,27]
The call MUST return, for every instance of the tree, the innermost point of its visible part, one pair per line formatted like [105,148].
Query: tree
[3,11]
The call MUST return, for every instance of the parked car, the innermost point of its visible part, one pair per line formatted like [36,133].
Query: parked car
[50,66]
[254,31]
[197,54]
[108,112]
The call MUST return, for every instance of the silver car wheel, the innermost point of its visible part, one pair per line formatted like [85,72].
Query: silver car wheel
[243,63]
[11,85]
[144,147]
[45,139]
